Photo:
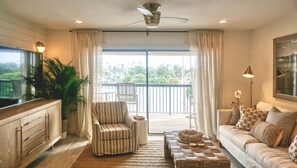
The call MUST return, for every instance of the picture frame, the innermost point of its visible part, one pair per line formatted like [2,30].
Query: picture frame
[285,67]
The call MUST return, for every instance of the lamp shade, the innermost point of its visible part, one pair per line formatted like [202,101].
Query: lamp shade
[40,47]
[248,73]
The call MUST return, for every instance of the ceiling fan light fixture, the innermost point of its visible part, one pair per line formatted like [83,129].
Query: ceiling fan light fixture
[152,21]
[152,6]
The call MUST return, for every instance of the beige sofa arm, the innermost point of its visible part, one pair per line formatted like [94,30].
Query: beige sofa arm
[224,116]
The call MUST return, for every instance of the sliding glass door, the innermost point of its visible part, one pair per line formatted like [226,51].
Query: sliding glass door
[162,82]
[169,98]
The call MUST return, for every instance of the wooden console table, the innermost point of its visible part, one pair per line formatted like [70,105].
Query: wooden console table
[27,130]
[185,156]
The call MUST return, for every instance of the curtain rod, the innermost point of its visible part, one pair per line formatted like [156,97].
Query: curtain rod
[152,31]
[144,31]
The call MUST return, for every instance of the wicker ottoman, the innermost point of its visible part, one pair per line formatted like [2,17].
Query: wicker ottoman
[185,156]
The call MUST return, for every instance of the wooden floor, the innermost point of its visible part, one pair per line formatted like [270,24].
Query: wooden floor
[66,151]
[63,155]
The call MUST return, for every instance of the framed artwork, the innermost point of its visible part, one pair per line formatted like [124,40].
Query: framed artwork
[285,67]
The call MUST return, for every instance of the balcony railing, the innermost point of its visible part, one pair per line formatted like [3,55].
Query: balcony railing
[163,98]
[5,88]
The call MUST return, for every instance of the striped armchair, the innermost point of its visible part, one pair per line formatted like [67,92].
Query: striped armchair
[114,132]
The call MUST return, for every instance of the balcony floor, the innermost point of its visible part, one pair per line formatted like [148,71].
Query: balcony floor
[158,123]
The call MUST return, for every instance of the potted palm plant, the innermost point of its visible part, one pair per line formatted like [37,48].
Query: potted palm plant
[59,81]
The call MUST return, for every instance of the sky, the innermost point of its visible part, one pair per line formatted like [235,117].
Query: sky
[6,57]
[153,59]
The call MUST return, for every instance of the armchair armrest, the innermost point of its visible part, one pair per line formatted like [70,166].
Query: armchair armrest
[129,121]
[132,124]
[95,123]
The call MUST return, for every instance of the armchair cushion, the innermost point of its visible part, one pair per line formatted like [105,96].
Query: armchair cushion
[115,131]
[110,113]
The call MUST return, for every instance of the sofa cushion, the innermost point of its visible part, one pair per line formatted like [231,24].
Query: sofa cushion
[269,157]
[115,131]
[267,133]
[248,117]
[235,114]
[237,136]
[293,150]
[286,120]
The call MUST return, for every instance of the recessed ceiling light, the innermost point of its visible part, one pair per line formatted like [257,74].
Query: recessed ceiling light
[224,21]
[77,21]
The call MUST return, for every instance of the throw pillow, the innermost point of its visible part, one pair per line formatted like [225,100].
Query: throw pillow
[270,134]
[248,117]
[286,120]
[235,114]
[293,150]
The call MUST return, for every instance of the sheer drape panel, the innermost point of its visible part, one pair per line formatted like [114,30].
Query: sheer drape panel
[206,59]
[87,57]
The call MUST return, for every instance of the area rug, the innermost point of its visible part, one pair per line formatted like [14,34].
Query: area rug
[150,155]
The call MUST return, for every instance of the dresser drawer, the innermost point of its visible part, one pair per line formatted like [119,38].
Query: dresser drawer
[32,120]
[33,147]
[32,134]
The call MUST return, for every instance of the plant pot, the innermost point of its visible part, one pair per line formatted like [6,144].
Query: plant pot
[64,129]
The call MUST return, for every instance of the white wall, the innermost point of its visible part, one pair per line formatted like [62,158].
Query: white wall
[236,61]
[262,58]
[18,33]
[140,40]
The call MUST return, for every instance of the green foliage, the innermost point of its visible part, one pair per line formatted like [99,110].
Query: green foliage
[162,74]
[60,81]
[11,75]
[8,68]
[9,71]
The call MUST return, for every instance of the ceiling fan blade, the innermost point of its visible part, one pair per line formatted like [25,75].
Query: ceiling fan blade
[175,19]
[131,24]
[145,11]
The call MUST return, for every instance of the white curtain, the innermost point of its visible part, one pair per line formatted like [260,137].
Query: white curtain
[206,50]
[87,57]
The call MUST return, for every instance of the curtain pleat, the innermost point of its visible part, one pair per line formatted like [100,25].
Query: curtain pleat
[206,59]
[87,57]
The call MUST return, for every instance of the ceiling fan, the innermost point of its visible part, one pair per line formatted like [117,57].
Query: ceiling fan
[152,16]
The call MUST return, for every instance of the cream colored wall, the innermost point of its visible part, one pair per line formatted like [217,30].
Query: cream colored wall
[236,60]
[18,33]
[262,58]
[59,45]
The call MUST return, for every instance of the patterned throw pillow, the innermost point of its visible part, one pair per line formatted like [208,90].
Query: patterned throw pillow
[286,120]
[235,114]
[293,150]
[270,134]
[248,117]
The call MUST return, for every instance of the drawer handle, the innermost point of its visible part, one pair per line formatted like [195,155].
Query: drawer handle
[34,134]
[31,151]
[19,142]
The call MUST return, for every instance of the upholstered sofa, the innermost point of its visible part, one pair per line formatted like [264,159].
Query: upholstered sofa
[114,132]
[250,152]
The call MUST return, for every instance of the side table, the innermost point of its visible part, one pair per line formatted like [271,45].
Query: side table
[142,131]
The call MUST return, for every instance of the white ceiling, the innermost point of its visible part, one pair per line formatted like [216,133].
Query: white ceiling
[115,14]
